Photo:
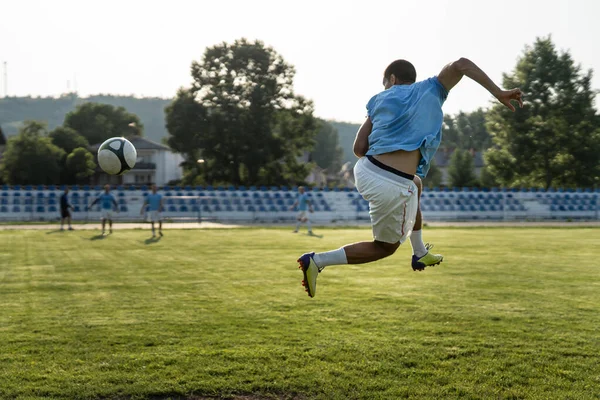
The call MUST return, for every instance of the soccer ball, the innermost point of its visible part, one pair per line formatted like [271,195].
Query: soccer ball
[116,156]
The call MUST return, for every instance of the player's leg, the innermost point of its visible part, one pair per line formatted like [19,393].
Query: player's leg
[160,226]
[421,256]
[110,224]
[393,204]
[298,221]
[69,221]
[152,224]
[103,225]
[308,225]
[62,223]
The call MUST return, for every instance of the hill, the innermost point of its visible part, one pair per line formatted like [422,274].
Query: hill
[15,110]
[52,110]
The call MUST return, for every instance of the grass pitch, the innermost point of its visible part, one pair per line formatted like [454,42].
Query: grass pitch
[510,313]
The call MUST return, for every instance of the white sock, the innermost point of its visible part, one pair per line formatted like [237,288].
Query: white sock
[308,226]
[333,257]
[416,241]
[298,225]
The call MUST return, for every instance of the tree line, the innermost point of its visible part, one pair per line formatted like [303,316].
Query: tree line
[242,117]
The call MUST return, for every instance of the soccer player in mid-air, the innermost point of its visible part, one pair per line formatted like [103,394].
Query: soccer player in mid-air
[154,203]
[65,210]
[107,203]
[397,141]
[302,204]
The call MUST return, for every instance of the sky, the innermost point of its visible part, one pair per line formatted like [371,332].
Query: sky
[339,48]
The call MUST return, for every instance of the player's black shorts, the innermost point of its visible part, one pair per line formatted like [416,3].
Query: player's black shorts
[64,213]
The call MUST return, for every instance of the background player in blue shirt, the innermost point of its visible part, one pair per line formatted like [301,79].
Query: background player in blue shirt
[302,204]
[154,204]
[107,204]
[65,210]
[398,140]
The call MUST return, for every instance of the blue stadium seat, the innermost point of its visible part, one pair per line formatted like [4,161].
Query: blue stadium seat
[284,189]
[78,209]
[283,208]
[199,188]
[40,209]
[16,209]
[236,202]
[273,209]
[123,208]
[240,208]
[4,194]
[183,209]
[251,208]
[28,209]
[16,201]
[172,208]
[4,201]
[316,208]
[225,202]
[195,208]
[122,201]
[228,208]
[17,187]
[3,209]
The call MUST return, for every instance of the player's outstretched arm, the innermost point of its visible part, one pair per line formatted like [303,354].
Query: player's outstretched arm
[361,142]
[452,73]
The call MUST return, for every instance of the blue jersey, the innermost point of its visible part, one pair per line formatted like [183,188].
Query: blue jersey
[106,201]
[153,201]
[302,202]
[64,202]
[408,117]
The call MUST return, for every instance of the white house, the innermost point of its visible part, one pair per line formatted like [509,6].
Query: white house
[156,163]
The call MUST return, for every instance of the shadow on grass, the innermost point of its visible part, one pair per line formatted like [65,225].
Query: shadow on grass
[54,231]
[315,235]
[98,237]
[152,240]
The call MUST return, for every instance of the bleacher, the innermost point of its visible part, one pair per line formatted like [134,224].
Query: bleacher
[271,204]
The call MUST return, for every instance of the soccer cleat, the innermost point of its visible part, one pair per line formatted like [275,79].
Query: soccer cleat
[310,271]
[428,260]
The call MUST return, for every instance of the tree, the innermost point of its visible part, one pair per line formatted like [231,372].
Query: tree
[253,128]
[466,131]
[97,122]
[555,138]
[327,153]
[186,119]
[67,139]
[461,170]
[80,164]
[434,176]
[30,157]
[2,138]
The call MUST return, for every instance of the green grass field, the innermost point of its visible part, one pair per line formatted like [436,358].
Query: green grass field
[510,314]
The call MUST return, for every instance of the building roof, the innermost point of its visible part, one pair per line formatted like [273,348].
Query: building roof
[140,143]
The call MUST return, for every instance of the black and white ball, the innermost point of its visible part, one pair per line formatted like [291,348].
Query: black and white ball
[116,156]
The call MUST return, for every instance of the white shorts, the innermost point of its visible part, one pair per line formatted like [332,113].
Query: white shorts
[155,216]
[107,214]
[302,215]
[393,201]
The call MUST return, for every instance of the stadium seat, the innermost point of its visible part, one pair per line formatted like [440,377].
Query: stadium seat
[283,208]
[172,208]
[16,209]
[196,208]
[123,208]
[122,201]
[240,208]
[4,201]
[183,209]
[29,209]
[40,209]
[273,209]
[3,209]
[251,208]
[16,201]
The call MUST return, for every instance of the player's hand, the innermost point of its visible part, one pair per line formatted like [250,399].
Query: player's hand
[311,210]
[506,96]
